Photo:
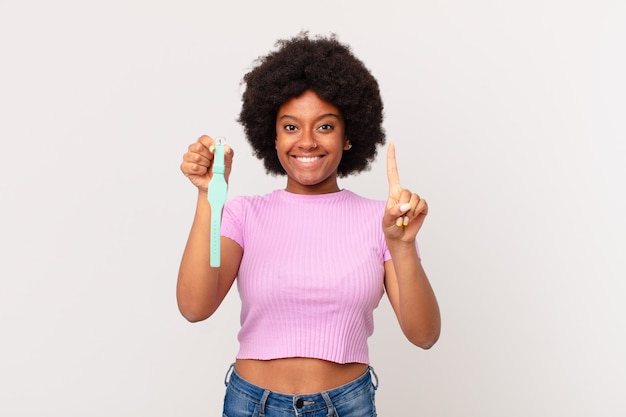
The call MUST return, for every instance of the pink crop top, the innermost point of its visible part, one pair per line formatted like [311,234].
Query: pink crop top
[311,274]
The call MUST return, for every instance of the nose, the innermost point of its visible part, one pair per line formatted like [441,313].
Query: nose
[307,141]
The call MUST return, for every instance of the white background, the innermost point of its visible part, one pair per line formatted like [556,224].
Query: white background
[508,116]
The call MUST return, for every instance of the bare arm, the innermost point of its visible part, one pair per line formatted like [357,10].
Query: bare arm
[408,288]
[201,289]
[412,297]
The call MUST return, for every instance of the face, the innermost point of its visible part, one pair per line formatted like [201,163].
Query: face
[310,140]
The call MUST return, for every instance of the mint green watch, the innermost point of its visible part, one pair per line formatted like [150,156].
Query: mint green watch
[218,190]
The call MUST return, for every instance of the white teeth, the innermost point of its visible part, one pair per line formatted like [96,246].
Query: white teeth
[307,158]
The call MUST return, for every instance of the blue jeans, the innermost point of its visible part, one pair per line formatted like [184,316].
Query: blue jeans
[354,399]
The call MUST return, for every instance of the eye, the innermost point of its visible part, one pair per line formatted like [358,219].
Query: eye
[289,127]
[326,126]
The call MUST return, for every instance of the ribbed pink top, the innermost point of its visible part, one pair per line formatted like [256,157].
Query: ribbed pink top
[311,274]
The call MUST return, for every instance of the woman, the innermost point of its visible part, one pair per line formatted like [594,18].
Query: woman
[312,261]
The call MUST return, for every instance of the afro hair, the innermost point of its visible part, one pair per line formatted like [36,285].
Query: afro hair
[330,69]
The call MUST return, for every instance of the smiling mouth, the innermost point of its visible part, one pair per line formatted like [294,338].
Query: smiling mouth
[308,158]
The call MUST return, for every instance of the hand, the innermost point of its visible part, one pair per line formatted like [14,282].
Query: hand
[198,162]
[405,211]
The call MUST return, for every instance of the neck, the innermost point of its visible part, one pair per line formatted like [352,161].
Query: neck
[321,188]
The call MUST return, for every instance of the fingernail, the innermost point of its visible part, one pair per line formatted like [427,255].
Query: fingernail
[406,220]
[405,207]
[399,222]
[212,148]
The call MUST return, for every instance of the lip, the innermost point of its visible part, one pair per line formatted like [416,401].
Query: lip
[307,159]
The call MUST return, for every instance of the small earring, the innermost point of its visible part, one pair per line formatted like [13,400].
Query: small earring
[349,146]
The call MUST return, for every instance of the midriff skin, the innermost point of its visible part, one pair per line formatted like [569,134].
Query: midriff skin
[298,375]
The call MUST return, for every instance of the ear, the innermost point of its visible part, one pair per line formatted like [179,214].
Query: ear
[347,146]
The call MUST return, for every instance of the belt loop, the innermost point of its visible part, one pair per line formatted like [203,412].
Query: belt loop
[230,371]
[375,384]
[329,405]
[266,394]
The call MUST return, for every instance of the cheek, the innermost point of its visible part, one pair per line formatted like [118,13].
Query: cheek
[283,144]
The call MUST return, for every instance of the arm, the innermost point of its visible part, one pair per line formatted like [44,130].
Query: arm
[408,288]
[200,288]
[411,297]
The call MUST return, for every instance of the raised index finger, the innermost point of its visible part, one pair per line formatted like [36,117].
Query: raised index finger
[393,178]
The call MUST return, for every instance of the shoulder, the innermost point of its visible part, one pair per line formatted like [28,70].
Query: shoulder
[364,202]
[243,206]
[253,200]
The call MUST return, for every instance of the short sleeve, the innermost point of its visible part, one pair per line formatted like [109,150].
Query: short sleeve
[387,255]
[232,224]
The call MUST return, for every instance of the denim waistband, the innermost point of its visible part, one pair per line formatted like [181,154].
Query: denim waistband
[304,402]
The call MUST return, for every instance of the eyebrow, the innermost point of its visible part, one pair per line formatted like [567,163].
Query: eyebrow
[321,116]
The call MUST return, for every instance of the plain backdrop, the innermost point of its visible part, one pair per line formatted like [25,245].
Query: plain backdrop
[508,117]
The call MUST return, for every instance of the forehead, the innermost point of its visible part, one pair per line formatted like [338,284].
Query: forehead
[308,104]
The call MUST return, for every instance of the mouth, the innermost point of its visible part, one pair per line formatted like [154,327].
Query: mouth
[307,159]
